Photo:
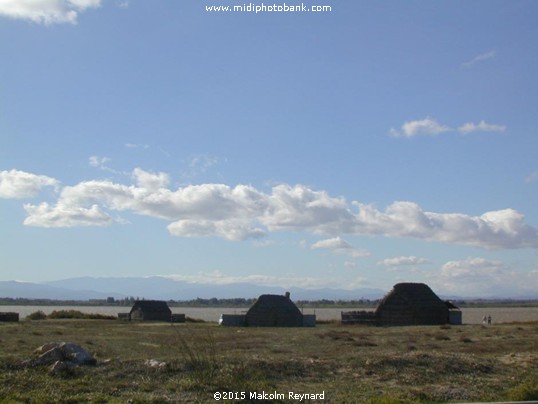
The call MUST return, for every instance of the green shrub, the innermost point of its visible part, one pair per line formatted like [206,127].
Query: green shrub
[76,314]
[37,315]
[66,314]
[524,392]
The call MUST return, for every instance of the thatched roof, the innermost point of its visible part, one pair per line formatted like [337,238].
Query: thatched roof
[150,310]
[411,303]
[274,311]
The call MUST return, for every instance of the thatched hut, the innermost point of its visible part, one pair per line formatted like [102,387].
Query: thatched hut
[150,310]
[411,304]
[274,311]
[9,316]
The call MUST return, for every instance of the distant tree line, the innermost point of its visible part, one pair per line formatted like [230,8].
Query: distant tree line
[242,302]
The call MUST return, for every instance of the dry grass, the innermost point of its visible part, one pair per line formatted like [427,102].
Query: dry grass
[351,363]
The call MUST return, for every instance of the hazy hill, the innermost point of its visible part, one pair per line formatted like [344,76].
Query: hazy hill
[156,287]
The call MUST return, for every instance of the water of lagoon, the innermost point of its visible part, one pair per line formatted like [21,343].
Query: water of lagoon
[470,315]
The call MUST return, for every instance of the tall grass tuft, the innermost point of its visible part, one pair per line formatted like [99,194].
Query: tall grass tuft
[200,357]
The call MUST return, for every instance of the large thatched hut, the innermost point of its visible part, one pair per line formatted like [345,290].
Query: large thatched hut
[152,310]
[407,304]
[411,304]
[271,311]
[274,311]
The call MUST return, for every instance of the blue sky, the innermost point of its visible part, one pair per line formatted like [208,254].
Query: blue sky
[378,142]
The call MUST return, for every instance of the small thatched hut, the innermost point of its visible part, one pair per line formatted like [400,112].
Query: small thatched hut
[411,304]
[274,311]
[152,310]
[9,316]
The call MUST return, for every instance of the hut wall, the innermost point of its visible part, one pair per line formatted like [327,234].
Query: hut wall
[309,320]
[177,318]
[9,317]
[123,316]
[273,318]
[358,317]
[136,314]
[454,317]
[157,316]
[232,320]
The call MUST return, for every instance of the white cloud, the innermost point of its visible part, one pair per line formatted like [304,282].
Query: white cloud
[218,278]
[150,181]
[497,229]
[44,215]
[482,126]
[46,11]
[480,58]
[242,212]
[401,261]
[339,246]
[464,270]
[100,163]
[230,229]
[430,127]
[476,276]
[15,184]
[301,208]
[136,146]
[427,126]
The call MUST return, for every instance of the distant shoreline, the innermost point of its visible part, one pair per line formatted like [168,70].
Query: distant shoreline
[246,303]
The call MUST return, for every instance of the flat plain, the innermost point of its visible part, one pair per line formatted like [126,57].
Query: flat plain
[192,361]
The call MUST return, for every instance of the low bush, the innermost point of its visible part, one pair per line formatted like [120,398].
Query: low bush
[524,392]
[37,315]
[76,314]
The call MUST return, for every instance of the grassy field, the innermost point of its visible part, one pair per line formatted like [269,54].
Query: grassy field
[349,364]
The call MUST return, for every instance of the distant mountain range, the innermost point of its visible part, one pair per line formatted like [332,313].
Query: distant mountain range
[156,287]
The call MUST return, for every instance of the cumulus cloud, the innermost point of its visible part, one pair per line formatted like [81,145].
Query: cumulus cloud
[60,215]
[15,184]
[244,212]
[150,181]
[401,261]
[496,229]
[481,277]
[339,246]
[46,11]
[427,126]
[470,267]
[482,126]
[230,229]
